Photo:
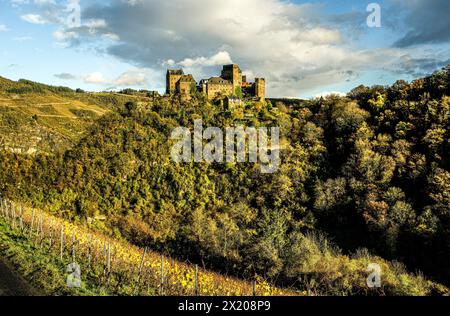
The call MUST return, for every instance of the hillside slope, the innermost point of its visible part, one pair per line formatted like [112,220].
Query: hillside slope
[40,118]
[371,170]
[112,267]
[108,266]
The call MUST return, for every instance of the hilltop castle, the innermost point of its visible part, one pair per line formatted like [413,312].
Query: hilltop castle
[230,83]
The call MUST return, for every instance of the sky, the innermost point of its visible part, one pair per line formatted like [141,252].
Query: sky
[303,48]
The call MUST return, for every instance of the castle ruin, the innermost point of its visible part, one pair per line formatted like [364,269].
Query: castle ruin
[230,83]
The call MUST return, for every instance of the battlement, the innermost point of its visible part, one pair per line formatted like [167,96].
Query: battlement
[172,78]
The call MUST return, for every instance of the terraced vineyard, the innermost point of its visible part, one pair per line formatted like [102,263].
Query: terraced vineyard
[120,268]
[40,118]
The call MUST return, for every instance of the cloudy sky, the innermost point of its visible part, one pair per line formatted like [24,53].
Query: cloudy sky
[302,48]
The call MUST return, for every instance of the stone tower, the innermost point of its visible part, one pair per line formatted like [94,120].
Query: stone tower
[185,85]
[172,77]
[260,88]
[233,74]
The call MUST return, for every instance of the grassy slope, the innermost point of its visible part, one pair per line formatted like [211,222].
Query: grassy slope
[44,272]
[339,274]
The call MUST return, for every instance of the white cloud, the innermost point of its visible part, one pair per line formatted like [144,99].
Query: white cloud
[95,78]
[330,93]
[111,36]
[132,77]
[42,2]
[320,35]
[65,76]
[16,3]
[221,58]
[95,23]
[64,37]
[3,28]
[34,19]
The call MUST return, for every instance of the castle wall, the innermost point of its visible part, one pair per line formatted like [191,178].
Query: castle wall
[184,87]
[172,78]
[260,88]
[215,89]
[233,74]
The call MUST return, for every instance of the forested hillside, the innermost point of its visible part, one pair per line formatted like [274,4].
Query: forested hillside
[370,170]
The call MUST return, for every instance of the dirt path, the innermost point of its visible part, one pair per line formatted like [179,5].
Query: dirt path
[12,284]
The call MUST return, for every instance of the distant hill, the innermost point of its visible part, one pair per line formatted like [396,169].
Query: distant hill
[36,117]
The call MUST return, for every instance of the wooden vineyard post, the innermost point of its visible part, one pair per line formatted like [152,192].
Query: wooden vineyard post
[32,223]
[89,251]
[38,231]
[108,258]
[108,262]
[41,230]
[38,228]
[73,246]
[148,276]
[162,276]
[8,212]
[254,286]
[5,211]
[141,266]
[61,238]
[13,214]
[94,252]
[21,219]
[41,223]
[104,257]
[50,241]
[196,281]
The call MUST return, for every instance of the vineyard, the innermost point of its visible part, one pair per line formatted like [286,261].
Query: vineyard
[120,268]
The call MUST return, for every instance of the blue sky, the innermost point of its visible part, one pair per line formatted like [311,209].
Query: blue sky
[302,48]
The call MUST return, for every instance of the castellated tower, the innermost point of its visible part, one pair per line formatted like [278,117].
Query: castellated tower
[260,88]
[172,78]
[233,74]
